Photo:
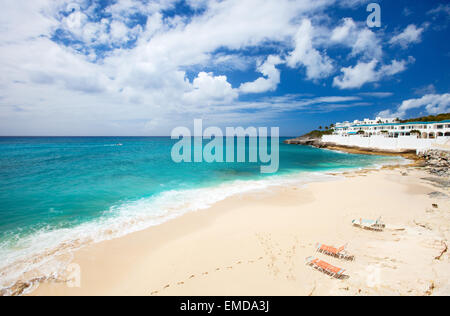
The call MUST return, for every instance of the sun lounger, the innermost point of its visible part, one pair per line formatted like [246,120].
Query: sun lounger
[377,225]
[340,253]
[325,267]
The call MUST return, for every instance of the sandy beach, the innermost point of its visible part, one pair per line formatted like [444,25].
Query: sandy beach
[256,244]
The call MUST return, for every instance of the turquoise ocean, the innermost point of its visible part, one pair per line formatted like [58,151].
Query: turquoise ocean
[57,194]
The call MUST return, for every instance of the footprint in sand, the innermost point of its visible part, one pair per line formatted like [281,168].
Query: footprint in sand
[153,293]
[167,286]
[217,269]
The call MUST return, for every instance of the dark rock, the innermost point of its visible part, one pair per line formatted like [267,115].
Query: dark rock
[438,195]
[437,162]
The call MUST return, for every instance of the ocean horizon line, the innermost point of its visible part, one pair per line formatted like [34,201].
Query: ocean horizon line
[162,136]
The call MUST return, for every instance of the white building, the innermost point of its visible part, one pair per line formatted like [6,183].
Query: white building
[389,134]
[389,127]
[378,120]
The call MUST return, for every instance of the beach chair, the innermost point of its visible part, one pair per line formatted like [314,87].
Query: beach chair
[325,267]
[377,225]
[340,253]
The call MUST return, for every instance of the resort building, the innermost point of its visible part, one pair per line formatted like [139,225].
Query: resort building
[390,134]
[390,127]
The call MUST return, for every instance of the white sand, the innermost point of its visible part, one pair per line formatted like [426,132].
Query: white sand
[256,244]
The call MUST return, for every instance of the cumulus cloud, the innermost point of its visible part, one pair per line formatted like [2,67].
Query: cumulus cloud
[85,26]
[318,65]
[56,70]
[432,104]
[119,31]
[392,69]
[359,38]
[268,69]
[411,35]
[78,67]
[357,76]
[342,32]
[208,89]
[367,72]
[367,44]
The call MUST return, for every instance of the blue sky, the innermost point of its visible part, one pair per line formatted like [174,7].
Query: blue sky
[142,68]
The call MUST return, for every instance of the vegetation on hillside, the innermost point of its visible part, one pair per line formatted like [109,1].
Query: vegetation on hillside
[318,134]
[430,118]
[329,130]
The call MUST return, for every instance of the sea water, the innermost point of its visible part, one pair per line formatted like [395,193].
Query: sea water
[58,194]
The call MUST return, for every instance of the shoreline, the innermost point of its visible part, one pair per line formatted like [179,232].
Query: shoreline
[60,255]
[364,151]
[57,257]
[317,143]
[211,251]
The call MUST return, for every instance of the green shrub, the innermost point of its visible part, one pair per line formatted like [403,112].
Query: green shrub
[430,118]
[318,134]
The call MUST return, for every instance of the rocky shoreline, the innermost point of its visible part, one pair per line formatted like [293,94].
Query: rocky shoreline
[318,143]
[436,162]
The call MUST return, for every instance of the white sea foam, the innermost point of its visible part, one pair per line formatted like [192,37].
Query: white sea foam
[46,253]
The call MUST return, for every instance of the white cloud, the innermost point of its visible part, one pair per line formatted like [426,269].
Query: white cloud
[359,38]
[208,90]
[75,88]
[377,94]
[268,69]
[428,89]
[119,31]
[411,35]
[124,9]
[352,3]
[20,22]
[84,26]
[432,104]
[342,32]
[442,8]
[394,68]
[357,76]
[362,73]
[198,4]
[229,62]
[318,65]
[367,44]
[75,21]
